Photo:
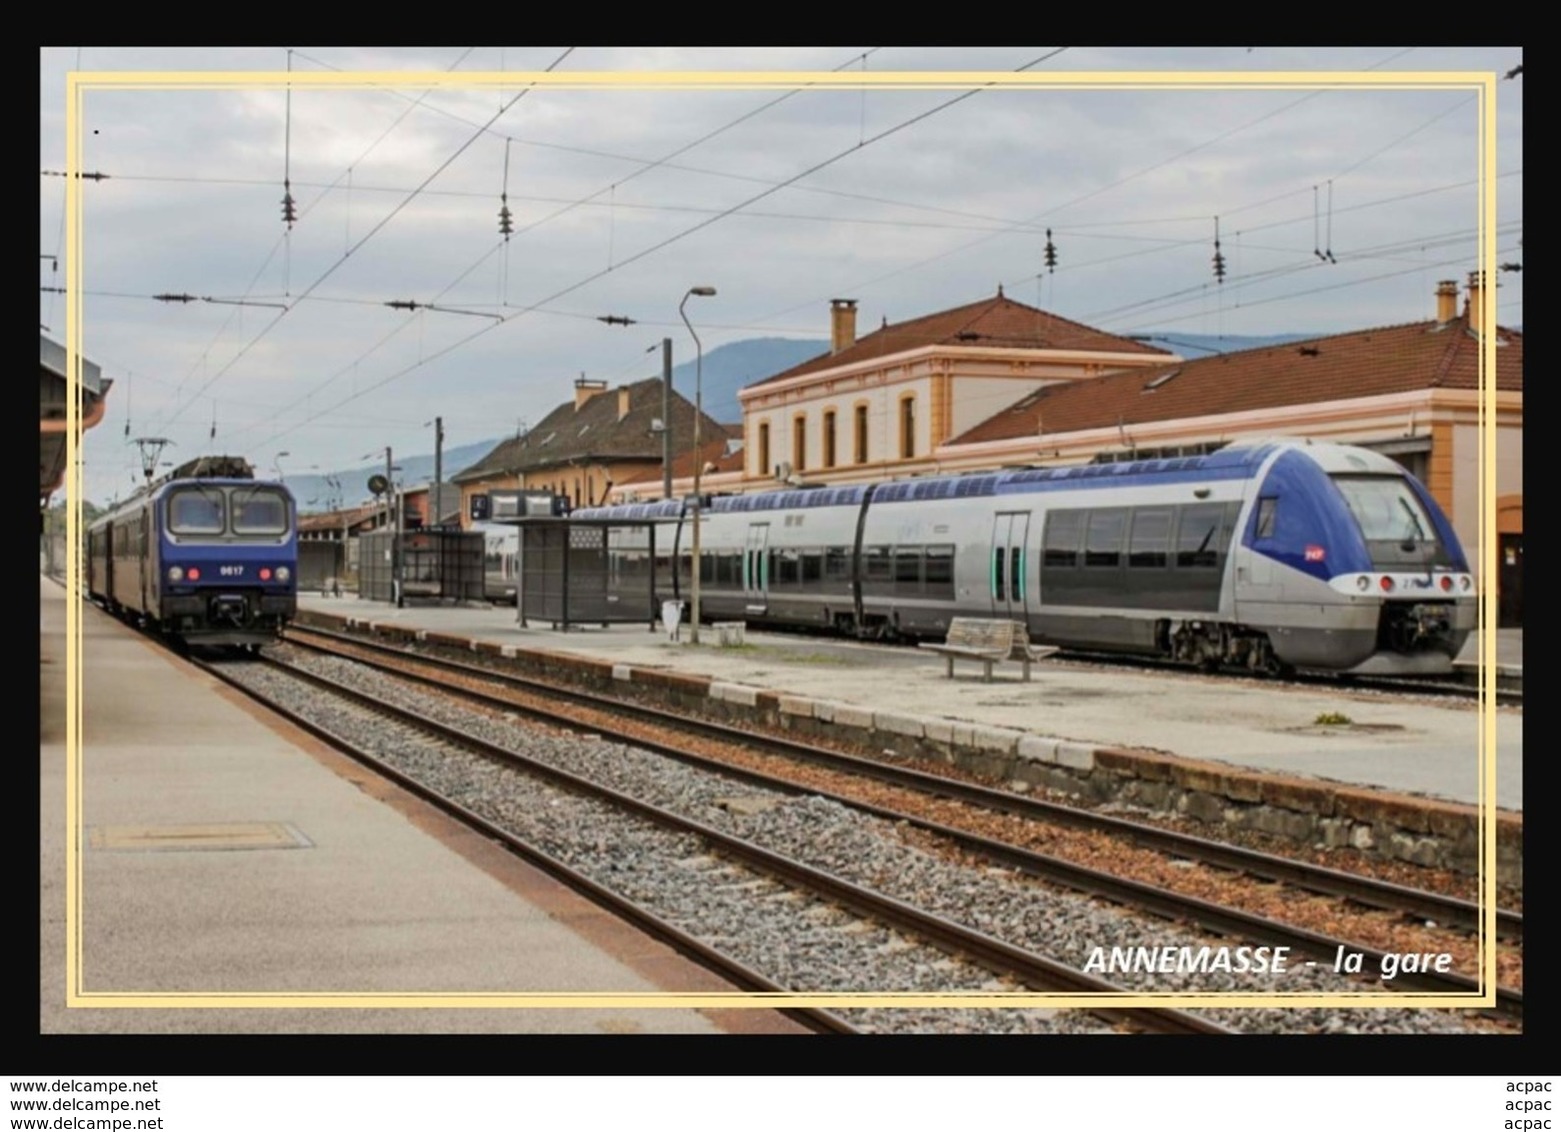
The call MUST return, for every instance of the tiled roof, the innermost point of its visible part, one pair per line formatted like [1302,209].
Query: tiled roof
[1363,363]
[336,520]
[594,432]
[683,465]
[997,322]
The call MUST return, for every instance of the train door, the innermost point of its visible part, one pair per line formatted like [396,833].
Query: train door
[1008,565]
[756,568]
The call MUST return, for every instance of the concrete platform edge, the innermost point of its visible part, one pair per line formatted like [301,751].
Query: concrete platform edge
[1314,812]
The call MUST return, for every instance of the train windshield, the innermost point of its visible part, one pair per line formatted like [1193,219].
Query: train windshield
[1397,528]
[197,511]
[259,511]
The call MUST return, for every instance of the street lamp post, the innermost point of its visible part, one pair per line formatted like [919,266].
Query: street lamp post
[666,415]
[699,356]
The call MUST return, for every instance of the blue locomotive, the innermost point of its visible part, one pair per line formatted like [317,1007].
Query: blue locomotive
[1265,556]
[208,556]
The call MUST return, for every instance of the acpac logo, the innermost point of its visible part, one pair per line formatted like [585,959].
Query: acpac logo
[1315,553]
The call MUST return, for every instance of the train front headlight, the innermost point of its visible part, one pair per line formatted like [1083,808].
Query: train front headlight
[1363,583]
[283,573]
[175,573]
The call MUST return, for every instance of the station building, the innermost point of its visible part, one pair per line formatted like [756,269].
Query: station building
[582,449]
[1000,384]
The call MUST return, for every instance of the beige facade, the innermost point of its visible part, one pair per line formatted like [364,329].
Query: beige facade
[887,415]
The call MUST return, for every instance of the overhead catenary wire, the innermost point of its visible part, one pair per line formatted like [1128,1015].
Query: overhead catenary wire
[365,238]
[643,253]
[1074,262]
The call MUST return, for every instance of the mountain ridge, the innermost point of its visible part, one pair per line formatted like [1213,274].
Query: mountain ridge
[719,376]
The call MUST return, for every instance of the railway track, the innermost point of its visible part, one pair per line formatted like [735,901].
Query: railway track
[1308,876]
[762,868]
[1158,899]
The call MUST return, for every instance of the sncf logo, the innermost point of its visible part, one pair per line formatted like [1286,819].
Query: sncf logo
[1315,553]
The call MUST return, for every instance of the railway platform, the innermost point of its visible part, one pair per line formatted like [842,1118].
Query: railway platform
[1390,744]
[236,875]
[1321,766]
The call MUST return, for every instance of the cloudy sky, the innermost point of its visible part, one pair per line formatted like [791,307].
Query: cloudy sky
[1336,209]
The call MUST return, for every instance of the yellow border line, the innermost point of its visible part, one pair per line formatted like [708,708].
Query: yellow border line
[77,82]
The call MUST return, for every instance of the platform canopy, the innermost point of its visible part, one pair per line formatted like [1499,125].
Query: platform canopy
[52,391]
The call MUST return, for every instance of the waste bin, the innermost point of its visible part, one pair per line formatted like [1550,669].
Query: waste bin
[671,617]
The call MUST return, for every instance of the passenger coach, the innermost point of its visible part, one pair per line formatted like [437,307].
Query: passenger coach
[1263,556]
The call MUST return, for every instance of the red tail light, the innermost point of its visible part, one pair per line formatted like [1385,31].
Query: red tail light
[1386,583]
[265,573]
[194,573]
[1447,583]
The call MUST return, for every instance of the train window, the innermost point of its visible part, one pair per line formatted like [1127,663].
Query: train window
[876,564]
[1150,543]
[785,568]
[196,511]
[940,571]
[907,569]
[1103,537]
[812,567]
[1198,540]
[1064,531]
[1267,516]
[259,511]
[837,563]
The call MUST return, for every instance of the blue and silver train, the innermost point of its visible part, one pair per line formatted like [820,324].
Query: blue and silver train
[1269,556]
[205,559]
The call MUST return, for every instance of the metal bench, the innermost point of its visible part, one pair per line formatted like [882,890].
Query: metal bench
[989,642]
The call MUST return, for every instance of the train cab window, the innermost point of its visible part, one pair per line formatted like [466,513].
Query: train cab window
[1385,508]
[1064,531]
[1103,537]
[1150,543]
[259,511]
[1198,541]
[197,511]
[1267,516]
